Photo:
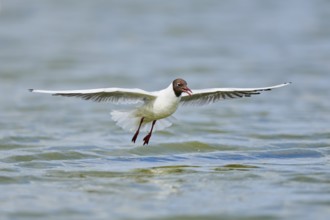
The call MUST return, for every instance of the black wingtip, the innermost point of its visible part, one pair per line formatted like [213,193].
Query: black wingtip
[30,90]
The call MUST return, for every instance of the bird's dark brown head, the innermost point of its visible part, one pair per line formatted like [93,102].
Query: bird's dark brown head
[180,86]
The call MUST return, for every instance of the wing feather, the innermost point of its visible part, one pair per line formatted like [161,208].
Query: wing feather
[115,95]
[206,96]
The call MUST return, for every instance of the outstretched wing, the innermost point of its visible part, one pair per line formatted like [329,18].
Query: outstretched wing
[115,95]
[206,96]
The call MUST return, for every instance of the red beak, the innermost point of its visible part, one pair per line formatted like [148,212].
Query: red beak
[187,90]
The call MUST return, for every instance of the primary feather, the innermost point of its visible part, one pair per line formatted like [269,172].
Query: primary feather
[207,96]
[115,95]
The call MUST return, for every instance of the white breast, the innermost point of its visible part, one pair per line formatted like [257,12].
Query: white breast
[166,103]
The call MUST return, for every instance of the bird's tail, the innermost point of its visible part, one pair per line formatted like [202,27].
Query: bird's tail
[128,121]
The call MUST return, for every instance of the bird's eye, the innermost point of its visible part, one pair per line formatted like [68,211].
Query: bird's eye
[179,84]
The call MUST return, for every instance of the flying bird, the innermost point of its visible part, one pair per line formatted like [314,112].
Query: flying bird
[156,106]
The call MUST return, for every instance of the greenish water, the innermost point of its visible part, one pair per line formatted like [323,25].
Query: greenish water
[265,157]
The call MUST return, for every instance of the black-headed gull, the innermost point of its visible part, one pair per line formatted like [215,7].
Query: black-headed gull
[158,105]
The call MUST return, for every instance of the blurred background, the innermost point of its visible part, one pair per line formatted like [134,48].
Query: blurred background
[64,158]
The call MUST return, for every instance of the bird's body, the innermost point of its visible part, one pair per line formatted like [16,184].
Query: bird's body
[165,104]
[157,106]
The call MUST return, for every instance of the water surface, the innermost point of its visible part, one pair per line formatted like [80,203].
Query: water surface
[265,157]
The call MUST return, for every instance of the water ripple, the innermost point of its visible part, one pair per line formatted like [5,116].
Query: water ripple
[289,154]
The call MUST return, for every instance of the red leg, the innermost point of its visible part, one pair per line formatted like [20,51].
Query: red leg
[138,131]
[147,138]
